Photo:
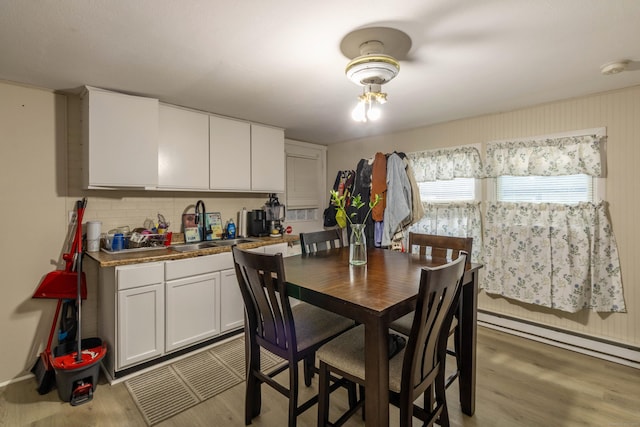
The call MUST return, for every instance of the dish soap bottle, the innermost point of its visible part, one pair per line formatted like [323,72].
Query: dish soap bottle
[231,229]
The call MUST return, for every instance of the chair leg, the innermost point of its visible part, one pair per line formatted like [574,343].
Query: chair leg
[323,395]
[441,400]
[293,394]
[253,398]
[309,363]
[353,395]
[361,387]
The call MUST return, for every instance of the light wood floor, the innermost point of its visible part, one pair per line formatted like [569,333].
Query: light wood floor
[519,383]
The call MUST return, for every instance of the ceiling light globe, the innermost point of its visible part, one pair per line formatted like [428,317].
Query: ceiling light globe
[375,112]
[358,114]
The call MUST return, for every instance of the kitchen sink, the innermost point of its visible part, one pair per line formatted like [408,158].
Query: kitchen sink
[190,247]
[232,242]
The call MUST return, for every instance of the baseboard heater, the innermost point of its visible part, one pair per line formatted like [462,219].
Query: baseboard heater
[602,349]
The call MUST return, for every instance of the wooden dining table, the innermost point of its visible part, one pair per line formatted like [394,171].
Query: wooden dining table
[374,295]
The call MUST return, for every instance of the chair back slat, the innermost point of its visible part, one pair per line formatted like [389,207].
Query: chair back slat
[441,247]
[321,240]
[426,348]
[264,292]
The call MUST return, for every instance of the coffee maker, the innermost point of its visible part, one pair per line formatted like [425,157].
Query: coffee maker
[275,213]
[257,223]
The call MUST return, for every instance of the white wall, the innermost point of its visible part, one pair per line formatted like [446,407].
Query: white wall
[33,195]
[619,112]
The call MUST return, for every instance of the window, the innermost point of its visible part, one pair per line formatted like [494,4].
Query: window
[457,189]
[569,189]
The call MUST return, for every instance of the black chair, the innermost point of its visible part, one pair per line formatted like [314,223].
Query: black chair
[292,333]
[439,247]
[321,240]
[419,368]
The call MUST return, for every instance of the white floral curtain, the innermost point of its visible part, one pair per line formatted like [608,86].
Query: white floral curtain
[461,162]
[545,157]
[558,256]
[458,219]
[452,219]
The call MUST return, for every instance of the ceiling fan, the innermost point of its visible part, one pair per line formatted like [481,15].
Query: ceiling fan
[374,54]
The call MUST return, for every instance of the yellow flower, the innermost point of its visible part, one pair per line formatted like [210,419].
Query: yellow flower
[340,202]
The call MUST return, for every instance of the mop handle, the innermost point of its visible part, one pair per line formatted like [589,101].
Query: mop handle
[81,206]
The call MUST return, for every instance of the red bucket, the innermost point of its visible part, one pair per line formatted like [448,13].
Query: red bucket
[77,380]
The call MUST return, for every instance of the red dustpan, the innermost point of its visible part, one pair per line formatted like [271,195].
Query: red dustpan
[62,284]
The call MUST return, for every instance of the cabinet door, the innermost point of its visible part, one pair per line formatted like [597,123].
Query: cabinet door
[229,154]
[276,248]
[140,324]
[192,306]
[231,303]
[120,140]
[267,159]
[183,149]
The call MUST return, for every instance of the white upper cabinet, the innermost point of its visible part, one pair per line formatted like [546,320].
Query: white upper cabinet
[136,142]
[183,149]
[120,140]
[230,154]
[267,159]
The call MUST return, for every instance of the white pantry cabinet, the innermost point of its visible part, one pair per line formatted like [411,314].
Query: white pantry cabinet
[120,140]
[183,149]
[230,154]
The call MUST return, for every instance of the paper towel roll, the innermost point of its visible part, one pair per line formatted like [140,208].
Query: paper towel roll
[93,236]
[242,222]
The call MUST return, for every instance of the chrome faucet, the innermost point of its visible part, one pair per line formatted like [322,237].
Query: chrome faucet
[200,216]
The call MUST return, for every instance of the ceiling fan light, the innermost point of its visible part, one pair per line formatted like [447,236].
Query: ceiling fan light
[359,112]
[372,69]
[374,112]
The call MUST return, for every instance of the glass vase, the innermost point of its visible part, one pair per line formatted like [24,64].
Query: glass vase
[357,245]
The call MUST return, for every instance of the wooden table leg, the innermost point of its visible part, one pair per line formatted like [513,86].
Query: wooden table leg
[469,321]
[376,373]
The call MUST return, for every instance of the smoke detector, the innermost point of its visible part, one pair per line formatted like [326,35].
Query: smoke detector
[614,67]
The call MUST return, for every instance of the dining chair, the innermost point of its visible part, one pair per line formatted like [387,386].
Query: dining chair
[321,240]
[419,368]
[439,247]
[292,333]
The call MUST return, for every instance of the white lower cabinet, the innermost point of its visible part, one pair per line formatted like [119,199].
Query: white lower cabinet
[232,307]
[192,310]
[140,324]
[140,313]
[193,299]
[149,310]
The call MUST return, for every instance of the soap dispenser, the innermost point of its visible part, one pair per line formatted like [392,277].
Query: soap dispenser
[231,229]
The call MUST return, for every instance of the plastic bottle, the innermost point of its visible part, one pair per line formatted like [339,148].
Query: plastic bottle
[231,229]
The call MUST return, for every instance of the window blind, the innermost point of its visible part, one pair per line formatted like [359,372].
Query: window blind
[457,189]
[568,189]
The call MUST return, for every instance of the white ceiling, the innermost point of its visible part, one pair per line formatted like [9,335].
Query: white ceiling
[279,62]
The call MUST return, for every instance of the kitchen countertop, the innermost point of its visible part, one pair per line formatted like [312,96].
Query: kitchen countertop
[164,254]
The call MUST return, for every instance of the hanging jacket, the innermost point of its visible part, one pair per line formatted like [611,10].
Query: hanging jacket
[398,208]
[379,185]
